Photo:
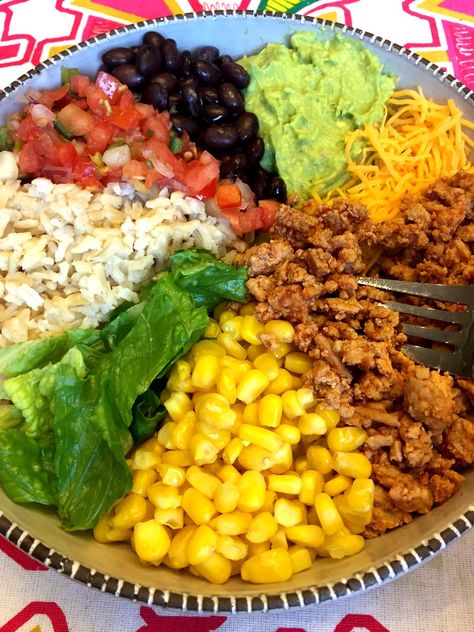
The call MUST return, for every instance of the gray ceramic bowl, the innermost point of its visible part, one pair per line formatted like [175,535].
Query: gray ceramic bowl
[114,568]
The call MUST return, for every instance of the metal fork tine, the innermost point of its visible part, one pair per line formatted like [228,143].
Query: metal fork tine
[462,294]
[438,335]
[458,318]
[434,358]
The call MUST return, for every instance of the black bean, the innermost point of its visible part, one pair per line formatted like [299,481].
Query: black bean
[191,101]
[182,123]
[220,137]
[174,102]
[208,95]
[246,125]
[117,56]
[128,74]
[152,38]
[134,50]
[171,56]
[254,150]
[225,59]
[231,98]
[207,72]
[214,113]
[189,82]
[167,80]
[156,95]
[236,74]
[277,189]
[260,184]
[206,53]
[233,166]
[148,61]
[186,63]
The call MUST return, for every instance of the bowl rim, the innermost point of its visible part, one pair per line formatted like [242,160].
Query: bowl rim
[391,569]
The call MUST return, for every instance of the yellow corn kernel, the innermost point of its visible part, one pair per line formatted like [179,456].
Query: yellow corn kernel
[214,408]
[355,521]
[269,504]
[181,372]
[202,450]
[279,540]
[116,534]
[216,569]
[201,545]
[352,464]
[143,459]
[252,489]
[229,474]
[212,468]
[238,367]
[280,350]
[212,330]
[262,528]
[282,459]
[360,496]
[226,385]
[220,437]
[270,566]
[305,397]
[282,383]
[300,558]
[253,351]
[281,329]
[177,405]
[255,458]
[256,548]
[231,547]
[232,523]
[225,316]
[301,464]
[206,371]
[284,483]
[289,433]
[151,541]
[297,362]
[172,518]
[341,544]
[328,515]
[165,434]
[164,496]
[235,566]
[232,347]
[197,506]
[177,552]
[203,481]
[312,424]
[337,484]
[232,450]
[289,512]
[233,327]
[247,310]
[208,347]
[261,437]
[267,363]
[346,439]
[252,385]
[331,417]
[180,458]
[306,535]
[142,479]
[129,511]
[319,459]
[250,415]
[226,497]
[172,475]
[270,410]
[297,383]
[184,430]
[251,330]
[219,310]
[312,483]
[102,528]
[291,406]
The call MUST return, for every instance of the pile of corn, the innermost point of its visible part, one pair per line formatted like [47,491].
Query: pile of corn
[249,474]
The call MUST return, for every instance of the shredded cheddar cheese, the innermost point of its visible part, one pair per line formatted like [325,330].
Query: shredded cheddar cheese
[417,142]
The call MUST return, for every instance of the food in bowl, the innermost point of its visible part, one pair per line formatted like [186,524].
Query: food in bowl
[307,271]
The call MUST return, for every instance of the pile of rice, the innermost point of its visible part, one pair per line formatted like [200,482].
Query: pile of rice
[68,257]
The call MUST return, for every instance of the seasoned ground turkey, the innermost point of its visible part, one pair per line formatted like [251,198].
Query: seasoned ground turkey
[420,423]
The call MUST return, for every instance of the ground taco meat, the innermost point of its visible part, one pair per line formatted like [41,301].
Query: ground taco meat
[420,423]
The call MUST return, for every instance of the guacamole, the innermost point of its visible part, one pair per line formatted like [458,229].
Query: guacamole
[307,98]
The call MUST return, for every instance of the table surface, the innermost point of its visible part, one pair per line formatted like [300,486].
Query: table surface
[435,598]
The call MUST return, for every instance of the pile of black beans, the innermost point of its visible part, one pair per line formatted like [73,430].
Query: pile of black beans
[202,91]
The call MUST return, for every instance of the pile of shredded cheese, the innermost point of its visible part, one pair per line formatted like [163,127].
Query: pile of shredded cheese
[417,142]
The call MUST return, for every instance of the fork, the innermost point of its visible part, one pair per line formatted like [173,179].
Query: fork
[460,360]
